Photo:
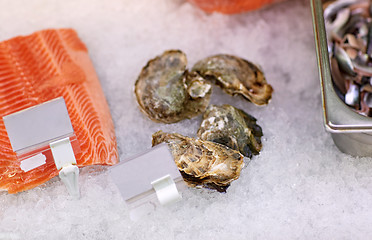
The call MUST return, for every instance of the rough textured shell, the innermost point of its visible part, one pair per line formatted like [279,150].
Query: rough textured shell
[202,163]
[162,89]
[236,76]
[232,127]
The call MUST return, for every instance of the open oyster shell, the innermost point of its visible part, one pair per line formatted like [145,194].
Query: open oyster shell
[236,76]
[202,163]
[166,92]
[232,127]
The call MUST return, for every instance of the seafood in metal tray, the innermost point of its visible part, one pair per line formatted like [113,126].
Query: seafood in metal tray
[166,92]
[236,76]
[232,127]
[349,32]
[202,163]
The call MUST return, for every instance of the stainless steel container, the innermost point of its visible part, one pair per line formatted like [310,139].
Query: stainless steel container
[351,132]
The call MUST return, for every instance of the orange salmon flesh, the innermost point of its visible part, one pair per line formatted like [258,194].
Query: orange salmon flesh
[41,67]
[231,6]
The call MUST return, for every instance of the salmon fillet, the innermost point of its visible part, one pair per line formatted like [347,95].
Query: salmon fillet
[41,67]
[231,6]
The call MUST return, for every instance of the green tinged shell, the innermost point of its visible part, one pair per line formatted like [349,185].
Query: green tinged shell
[165,90]
[232,127]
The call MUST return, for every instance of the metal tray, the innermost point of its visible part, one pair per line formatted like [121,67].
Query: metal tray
[351,132]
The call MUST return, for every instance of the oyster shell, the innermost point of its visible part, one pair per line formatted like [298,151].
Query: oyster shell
[202,163]
[236,76]
[232,127]
[166,92]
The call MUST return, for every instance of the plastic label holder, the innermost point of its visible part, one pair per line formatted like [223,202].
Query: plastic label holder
[151,178]
[44,132]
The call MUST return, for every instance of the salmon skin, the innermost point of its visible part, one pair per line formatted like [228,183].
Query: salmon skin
[40,67]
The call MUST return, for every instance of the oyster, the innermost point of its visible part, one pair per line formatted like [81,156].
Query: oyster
[202,163]
[166,92]
[232,127]
[236,76]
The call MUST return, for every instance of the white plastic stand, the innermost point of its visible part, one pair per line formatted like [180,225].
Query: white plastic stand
[166,190]
[33,130]
[65,160]
[148,180]
[33,162]
[69,176]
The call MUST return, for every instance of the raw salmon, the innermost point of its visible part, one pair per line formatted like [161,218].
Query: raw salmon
[41,67]
[231,6]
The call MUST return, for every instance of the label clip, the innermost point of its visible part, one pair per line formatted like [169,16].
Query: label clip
[148,175]
[44,133]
